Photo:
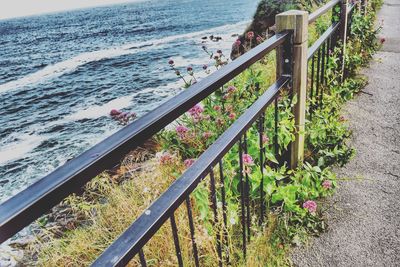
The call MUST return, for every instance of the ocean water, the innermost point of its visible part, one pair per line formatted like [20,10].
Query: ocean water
[62,73]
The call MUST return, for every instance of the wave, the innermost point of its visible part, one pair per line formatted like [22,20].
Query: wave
[18,149]
[98,111]
[70,65]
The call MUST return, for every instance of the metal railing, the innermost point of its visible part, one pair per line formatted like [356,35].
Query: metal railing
[39,198]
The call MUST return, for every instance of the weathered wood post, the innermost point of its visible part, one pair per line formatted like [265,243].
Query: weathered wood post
[296,21]
[342,37]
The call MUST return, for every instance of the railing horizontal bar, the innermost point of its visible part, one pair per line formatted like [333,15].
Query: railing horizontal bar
[317,44]
[34,201]
[322,10]
[143,228]
[350,8]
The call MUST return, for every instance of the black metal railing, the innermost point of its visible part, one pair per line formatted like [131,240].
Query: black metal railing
[39,198]
[22,209]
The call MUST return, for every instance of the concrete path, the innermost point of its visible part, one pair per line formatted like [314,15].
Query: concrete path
[364,215]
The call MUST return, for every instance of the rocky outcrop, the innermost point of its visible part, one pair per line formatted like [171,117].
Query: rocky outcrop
[264,20]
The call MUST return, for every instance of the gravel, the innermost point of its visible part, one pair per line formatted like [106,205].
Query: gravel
[364,214]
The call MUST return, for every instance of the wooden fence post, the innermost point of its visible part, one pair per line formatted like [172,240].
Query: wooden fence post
[296,21]
[343,36]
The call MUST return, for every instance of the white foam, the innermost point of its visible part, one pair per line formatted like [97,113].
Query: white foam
[98,111]
[18,149]
[67,66]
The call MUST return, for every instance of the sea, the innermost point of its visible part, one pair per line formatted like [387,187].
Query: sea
[62,73]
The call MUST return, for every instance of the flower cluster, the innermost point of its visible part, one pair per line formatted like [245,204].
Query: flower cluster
[196,112]
[310,205]
[188,162]
[181,131]
[122,117]
[164,158]
[327,184]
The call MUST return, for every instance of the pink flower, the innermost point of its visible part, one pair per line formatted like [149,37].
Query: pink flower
[196,112]
[188,162]
[232,116]
[231,89]
[220,121]
[115,112]
[164,158]
[250,35]
[310,205]
[247,159]
[207,134]
[217,108]
[237,43]
[181,130]
[327,184]
[259,39]
[265,139]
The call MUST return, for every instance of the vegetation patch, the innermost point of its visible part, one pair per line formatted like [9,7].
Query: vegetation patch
[113,200]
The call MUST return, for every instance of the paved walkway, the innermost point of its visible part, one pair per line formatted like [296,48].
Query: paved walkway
[364,215]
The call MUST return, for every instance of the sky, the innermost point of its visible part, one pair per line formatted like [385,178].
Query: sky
[20,8]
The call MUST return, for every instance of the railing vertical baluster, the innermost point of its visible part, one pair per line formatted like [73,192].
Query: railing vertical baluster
[312,86]
[142,258]
[262,151]
[224,210]
[276,120]
[321,92]
[214,207]
[242,198]
[191,226]
[247,191]
[176,240]
[318,75]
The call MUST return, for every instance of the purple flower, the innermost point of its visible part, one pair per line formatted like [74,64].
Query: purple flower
[237,43]
[217,108]
[265,139]
[205,67]
[171,62]
[327,184]
[219,51]
[181,130]
[115,112]
[207,134]
[310,205]
[231,89]
[250,35]
[188,162]
[196,111]
[247,159]
[189,69]
[382,40]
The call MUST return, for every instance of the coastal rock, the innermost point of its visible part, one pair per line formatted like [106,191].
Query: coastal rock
[9,256]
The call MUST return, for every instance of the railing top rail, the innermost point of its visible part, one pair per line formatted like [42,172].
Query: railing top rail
[322,10]
[142,229]
[34,201]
